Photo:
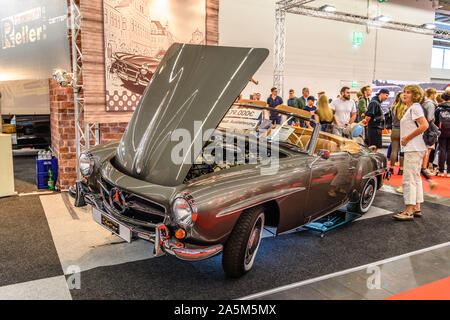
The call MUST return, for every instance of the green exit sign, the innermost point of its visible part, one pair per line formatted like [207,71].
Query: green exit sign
[357,38]
[382,0]
[354,84]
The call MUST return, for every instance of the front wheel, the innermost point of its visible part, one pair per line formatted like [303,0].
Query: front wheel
[242,245]
[366,199]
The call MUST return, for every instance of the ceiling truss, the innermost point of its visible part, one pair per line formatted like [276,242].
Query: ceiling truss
[300,7]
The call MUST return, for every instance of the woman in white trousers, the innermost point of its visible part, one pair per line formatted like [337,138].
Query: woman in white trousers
[412,126]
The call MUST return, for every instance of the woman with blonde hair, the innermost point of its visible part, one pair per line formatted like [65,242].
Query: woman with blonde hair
[412,126]
[398,109]
[325,114]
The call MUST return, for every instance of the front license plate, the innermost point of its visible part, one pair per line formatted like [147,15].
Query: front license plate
[112,225]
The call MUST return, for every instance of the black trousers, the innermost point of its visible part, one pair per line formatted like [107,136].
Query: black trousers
[375,137]
[444,154]
[366,136]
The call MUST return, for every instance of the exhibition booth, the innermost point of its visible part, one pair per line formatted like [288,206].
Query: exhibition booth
[119,119]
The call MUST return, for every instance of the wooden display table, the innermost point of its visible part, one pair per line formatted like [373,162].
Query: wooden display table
[6,166]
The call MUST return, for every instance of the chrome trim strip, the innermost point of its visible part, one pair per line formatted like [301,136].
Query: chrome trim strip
[375,173]
[283,193]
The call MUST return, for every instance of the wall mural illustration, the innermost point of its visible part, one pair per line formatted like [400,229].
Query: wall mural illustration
[137,34]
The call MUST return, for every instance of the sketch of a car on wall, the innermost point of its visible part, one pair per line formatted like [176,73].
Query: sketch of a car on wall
[187,201]
[135,71]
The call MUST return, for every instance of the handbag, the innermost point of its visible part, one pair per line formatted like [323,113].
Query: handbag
[388,120]
[431,135]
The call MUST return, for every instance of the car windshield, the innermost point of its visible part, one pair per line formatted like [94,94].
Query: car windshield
[284,125]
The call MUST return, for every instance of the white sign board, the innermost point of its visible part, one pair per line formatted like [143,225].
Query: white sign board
[241,119]
[33,39]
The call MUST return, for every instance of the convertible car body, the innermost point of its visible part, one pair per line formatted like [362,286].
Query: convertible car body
[165,181]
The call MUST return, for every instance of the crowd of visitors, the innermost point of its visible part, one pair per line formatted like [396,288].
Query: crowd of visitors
[410,116]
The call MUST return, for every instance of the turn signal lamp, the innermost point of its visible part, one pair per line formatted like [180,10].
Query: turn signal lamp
[179,245]
[180,234]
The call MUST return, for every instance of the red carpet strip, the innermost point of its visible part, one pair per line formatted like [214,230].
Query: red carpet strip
[438,290]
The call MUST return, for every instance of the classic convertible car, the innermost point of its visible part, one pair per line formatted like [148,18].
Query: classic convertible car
[199,175]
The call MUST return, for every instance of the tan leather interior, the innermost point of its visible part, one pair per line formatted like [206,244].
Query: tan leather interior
[300,112]
[253,102]
[325,141]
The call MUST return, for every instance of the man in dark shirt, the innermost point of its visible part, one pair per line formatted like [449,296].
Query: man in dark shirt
[375,118]
[273,101]
[293,100]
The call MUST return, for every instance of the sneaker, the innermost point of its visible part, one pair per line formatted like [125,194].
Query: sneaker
[403,216]
[399,190]
[441,174]
[400,172]
[428,172]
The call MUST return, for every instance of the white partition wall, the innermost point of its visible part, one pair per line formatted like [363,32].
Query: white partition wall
[320,53]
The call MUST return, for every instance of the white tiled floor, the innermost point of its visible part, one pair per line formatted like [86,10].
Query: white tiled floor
[84,243]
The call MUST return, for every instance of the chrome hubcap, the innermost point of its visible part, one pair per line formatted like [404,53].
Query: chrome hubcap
[367,196]
[254,240]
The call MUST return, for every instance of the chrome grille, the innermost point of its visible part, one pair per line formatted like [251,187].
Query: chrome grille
[130,207]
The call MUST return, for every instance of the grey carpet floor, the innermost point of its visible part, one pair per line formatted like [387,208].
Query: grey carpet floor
[27,251]
[280,261]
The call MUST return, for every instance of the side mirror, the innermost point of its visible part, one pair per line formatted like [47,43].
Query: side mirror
[324,154]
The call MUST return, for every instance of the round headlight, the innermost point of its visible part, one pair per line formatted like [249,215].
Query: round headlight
[86,164]
[182,212]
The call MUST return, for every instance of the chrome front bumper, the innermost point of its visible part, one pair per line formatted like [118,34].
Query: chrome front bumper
[161,237]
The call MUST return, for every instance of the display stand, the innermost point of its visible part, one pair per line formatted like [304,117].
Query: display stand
[6,166]
[333,220]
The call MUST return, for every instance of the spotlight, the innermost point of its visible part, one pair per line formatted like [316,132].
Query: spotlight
[383,18]
[328,8]
[429,26]
[63,78]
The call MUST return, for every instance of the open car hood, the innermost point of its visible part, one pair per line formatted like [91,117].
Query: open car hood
[191,90]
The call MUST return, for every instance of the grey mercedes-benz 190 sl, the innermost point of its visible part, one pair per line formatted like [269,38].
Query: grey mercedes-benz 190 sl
[199,174]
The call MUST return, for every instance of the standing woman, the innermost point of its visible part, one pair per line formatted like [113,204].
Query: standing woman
[412,126]
[398,109]
[325,114]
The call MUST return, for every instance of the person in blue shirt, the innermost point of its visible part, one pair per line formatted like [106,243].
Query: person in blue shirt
[273,101]
[312,109]
[310,105]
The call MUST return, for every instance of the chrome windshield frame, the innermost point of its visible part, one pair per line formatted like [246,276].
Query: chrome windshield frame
[316,126]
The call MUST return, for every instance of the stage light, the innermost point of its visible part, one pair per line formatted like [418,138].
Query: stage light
[63,77]
[383,18]
[429,26]
[328,8]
